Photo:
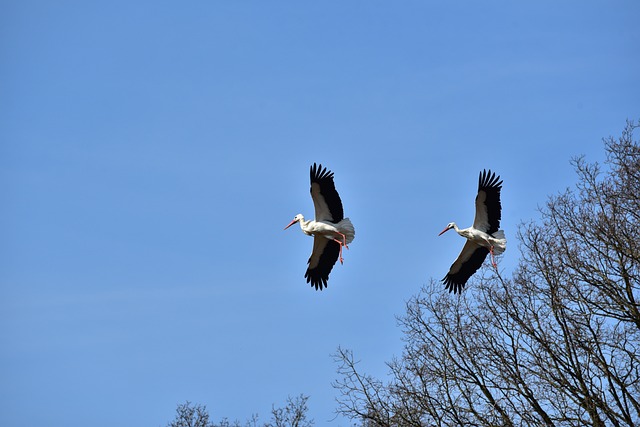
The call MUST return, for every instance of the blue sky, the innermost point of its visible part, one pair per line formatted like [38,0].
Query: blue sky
[152,151]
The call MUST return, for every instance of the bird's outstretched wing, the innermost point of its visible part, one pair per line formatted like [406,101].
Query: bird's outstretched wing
[326,200]
[488,207]
[323,258]
[467,263]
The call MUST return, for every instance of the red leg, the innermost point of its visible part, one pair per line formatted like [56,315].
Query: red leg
[493,260]
[340,243]
[344,240]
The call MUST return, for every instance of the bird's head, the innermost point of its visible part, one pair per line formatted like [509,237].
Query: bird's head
[447,228]
[296,218]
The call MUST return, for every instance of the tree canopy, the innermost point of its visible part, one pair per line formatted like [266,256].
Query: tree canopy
[555,344]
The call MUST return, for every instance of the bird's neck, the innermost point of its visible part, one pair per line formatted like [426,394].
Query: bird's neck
[464,232]
[305,226]
[304,223]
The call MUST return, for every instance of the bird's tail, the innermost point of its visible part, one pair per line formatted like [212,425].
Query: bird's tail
[346,228]
[500,242]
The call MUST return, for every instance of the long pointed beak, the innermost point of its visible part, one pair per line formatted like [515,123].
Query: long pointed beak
[290,224]
[442,232]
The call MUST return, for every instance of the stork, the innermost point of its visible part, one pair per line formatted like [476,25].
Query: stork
[330,230]
[483,237]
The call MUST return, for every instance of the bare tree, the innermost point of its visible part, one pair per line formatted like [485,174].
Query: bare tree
[294,414]
[191,416]
[557,344]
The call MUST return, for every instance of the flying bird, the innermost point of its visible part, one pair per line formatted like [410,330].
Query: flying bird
[483,237]
[330,230]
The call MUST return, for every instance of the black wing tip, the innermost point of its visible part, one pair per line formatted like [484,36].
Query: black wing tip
[488,179]
[452,286]
[318,276]
[455,282]
[318,173]
[317,282]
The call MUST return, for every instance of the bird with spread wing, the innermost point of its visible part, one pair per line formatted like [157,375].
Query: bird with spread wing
[330,230]
[483,238]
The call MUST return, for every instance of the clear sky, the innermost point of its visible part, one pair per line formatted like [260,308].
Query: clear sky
[151,153]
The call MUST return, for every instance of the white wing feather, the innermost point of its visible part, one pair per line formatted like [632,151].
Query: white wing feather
[481,220]
[468,249]
[322,209]
[319,243]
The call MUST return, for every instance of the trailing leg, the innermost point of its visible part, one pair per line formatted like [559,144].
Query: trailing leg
[493,260]
[341,245]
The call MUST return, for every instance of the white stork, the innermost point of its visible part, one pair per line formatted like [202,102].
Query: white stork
[483,237]
[330,230]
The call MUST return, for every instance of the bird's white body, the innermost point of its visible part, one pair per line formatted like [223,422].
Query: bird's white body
[496,241]
[327,229]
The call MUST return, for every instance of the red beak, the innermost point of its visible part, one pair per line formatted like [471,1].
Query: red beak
[290,224]
[442,232]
